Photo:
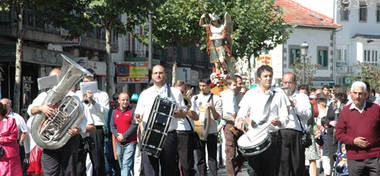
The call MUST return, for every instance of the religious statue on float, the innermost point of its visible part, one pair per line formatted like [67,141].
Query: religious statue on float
[219,43]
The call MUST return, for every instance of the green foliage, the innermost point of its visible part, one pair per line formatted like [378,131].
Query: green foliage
[368,72]
[257,24]
[310,70]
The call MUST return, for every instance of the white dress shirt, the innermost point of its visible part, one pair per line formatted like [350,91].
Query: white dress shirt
[302,109]
[229,104]
[253,103]
[100,108]
[146,100]
[20,122]
[201,101]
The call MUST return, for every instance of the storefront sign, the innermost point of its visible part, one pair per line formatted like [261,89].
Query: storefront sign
[132,72]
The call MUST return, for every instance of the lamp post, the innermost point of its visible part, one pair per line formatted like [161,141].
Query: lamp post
[304,48]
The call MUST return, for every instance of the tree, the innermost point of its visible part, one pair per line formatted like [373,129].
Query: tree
[310,69]
[370,73]
[106,13]
[18,5]
[258,25]
[57,12]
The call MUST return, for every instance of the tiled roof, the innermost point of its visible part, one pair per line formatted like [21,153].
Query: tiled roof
[295,13]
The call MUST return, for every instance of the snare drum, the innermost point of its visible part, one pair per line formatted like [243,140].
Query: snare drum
[254,142]
[157,126]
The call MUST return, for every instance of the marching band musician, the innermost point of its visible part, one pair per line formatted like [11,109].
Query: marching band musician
[98,104]
[252,108]
[292,152]
[206,99]
[60,161]
[168,156]
[230,109]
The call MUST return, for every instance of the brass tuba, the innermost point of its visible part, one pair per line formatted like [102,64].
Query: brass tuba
[52,132]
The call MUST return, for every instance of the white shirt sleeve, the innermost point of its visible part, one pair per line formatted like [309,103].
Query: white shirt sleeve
[21,122]
[302,108]
[36,102]
[101,105]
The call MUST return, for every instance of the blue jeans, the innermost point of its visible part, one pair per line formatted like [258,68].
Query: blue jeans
[112,166]
[126,155]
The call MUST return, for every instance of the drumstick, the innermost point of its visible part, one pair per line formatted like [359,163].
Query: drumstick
[141,126]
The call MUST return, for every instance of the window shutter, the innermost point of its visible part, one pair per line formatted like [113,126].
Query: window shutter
[325,58]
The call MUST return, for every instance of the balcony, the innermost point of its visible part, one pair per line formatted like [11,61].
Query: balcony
[36,30]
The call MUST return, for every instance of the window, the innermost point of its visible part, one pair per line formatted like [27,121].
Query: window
[378,13]
[363,11]
[323,56]
[339,55]
[294,54]
[373,55]
[344,14]
[365,55]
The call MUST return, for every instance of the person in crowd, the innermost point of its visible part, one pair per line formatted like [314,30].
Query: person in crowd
[317,91]
[35,153]
[137,161]
[339,101]
[256,114]
[111,165]
[326,90]
[322,109]
[205,99]
[371,98]
[21,128]
[181,86]
[230,109]
[99,105]
[292,151]
[10,164]
[60,161]
[171,148]
[321,139]
[123,127]
[304,89]
[362,145]
[312,93]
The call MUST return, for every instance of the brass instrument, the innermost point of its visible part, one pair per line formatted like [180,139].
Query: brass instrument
[52,132]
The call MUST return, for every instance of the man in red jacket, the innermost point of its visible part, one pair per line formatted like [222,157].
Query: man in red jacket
[123,127]
[359,128]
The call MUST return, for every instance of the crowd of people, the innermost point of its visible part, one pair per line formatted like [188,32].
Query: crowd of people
[107,141]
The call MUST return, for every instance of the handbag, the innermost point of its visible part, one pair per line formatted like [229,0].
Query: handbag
[306,138]
[195,140]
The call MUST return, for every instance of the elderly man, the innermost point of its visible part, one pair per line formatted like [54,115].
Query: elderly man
[292,152]
[359,129]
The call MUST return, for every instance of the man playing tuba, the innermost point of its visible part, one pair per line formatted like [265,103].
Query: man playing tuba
[61,161]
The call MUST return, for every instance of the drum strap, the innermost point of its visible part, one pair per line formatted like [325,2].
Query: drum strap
[266,110]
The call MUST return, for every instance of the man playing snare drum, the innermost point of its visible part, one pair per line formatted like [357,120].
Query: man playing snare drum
[168,156]
[207,102]
[254,113]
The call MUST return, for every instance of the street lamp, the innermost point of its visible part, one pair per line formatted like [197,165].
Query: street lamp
[304,48]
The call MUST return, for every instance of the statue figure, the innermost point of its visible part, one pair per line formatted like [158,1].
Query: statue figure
[219,41]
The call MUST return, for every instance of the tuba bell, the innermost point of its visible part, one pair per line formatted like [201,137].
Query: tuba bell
[52,132]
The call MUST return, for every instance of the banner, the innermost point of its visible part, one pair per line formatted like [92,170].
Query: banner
[263,60]
[132,72]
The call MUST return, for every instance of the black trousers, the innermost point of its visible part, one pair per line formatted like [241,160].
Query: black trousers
[292,162]
[211,145]
[266,163]
[61,162]
[97,151]
[366,167]
[177,148]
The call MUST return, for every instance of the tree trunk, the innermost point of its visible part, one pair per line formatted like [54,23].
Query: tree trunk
[110,75]
[18,69]
[174,68]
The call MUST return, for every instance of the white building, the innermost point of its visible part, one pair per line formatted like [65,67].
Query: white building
[314,28]
[359,38]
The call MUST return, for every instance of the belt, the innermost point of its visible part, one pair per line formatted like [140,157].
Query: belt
[230,122]
[183,132]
